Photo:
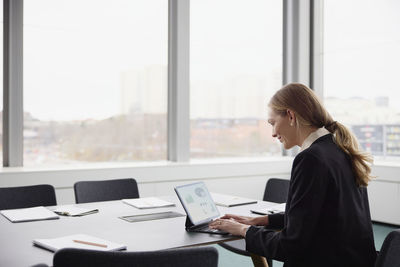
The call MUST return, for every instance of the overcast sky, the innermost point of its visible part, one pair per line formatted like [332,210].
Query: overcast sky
[362,49]
[75,50]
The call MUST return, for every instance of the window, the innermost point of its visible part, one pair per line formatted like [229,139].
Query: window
[235,66]
[95,81]
[361,55]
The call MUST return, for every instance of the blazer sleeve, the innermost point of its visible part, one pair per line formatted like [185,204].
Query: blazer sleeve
[309,183]
[276,221]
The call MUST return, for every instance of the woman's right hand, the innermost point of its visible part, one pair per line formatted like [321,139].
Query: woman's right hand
[261,220]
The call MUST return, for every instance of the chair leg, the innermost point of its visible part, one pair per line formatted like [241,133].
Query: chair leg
[259,261]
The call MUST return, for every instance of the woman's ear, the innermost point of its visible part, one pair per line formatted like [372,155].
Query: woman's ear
[292,117]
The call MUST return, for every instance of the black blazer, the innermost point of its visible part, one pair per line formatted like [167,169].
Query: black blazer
[327,220]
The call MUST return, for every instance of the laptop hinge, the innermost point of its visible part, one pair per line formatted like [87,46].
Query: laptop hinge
[189,225]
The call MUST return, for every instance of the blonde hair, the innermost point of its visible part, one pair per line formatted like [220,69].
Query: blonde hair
[310,112]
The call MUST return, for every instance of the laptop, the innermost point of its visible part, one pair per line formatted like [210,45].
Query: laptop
[199,207]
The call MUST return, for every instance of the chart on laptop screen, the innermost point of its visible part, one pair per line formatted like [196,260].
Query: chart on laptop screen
[198,202]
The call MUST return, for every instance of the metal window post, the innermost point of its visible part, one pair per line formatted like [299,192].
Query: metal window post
[13,118]
[178,81]
[296,41]
[317,47]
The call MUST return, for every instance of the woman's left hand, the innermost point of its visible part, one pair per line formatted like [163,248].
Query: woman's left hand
[229,225]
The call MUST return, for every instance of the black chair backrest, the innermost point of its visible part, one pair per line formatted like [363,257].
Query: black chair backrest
[276,190]
[389,255]
[27,196]
[93,191]
[192,257]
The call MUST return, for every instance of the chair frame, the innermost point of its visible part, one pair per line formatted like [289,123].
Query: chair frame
[101,190]
[27,196]
[194,257]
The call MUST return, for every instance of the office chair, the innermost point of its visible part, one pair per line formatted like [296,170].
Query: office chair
[94,191]
[389,255]
[27,196]
[276,190]
[192,257]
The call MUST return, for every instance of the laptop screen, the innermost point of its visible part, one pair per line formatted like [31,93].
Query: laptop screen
[197,202]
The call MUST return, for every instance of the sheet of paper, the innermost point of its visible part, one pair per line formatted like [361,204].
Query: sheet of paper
[148,203]
[81,241]
[29,214]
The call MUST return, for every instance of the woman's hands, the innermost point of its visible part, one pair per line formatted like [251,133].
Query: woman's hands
[237,225]
[260,220]
[231,226]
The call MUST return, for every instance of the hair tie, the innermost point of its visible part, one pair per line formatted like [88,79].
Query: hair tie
[333,123]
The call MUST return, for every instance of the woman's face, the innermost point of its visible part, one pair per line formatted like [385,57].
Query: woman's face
[283,128]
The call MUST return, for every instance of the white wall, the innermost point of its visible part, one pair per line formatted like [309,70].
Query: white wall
[384,193]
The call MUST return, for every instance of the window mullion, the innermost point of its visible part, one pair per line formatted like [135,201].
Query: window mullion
[13,84]
[296,41]
[178,81]
[317,40]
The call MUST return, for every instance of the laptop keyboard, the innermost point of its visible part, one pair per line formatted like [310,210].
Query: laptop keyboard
[207,229]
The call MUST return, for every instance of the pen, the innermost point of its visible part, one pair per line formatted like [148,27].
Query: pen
[90,243]
[274,211]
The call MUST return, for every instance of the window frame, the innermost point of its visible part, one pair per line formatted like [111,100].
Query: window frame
[12,83]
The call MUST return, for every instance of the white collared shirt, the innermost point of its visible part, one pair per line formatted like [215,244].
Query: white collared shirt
[312,137]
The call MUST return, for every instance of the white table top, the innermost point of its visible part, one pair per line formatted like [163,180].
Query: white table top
[16,248]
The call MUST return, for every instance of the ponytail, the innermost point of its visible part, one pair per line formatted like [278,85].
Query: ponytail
[360,160]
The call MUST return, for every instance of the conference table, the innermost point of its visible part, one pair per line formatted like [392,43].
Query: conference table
[17,249]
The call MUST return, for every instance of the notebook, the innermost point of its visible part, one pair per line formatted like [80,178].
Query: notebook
[29,214]
[231,201]
[70,210]
[81,241]
[148,203]
[199,207]
[279,208]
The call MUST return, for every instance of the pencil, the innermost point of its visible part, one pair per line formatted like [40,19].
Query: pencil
[90,243]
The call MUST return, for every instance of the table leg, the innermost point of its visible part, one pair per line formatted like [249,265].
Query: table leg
[259,261]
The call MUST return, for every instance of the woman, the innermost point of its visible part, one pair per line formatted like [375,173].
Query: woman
[327,219]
